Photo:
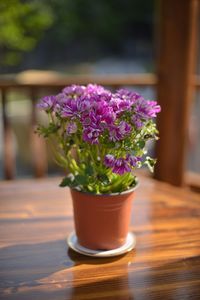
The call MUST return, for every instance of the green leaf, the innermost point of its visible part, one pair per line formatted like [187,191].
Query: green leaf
[89,170]
[110,144]
[80,180]
[141,144]
[60,160]
[65,182]
[118,188]
[150,162]
[46,131]
[103,178]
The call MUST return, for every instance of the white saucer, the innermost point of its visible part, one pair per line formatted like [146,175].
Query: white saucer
[128,246]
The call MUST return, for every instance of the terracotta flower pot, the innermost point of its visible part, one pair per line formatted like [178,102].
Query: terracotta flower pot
[102,221]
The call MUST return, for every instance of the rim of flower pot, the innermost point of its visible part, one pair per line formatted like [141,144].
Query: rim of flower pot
[111,194]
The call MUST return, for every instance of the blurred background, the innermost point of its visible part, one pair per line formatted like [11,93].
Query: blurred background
[76,36]
[47,44]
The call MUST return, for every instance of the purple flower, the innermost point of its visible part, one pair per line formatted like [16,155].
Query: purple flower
[71,128]
[121,166]
[146,109]
[74,91]
[60,100]
[118,165]
[118,105]
[154,108]
[128,95]
[105,96]
[91,135]
[143,111]
[137,121]
[99,116]
[123,101]
[125,105]
[124,128]
[97,89]
[133,160]
[47,103]
[119,132]
[114,103]
[90,119]
[109,160]
[69,109]
[104,112]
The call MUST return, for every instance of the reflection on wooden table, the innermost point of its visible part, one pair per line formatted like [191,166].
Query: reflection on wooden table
[35,262]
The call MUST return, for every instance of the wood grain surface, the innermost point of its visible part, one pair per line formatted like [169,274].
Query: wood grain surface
[35,262]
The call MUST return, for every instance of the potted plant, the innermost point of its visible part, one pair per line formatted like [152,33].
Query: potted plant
[99,138]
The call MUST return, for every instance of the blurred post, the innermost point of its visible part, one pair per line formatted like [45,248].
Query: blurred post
[39,155]
[176,67]
[9,156]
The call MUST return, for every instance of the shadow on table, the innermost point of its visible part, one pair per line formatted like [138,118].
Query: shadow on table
[50,271]
[29,262]
[26,269]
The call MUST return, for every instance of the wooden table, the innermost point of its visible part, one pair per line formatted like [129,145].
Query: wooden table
[35,262]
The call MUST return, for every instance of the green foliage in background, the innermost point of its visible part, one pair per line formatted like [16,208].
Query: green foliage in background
[22,24]
[108,22]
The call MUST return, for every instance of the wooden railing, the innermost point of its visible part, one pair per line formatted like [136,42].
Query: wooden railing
[38,154]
